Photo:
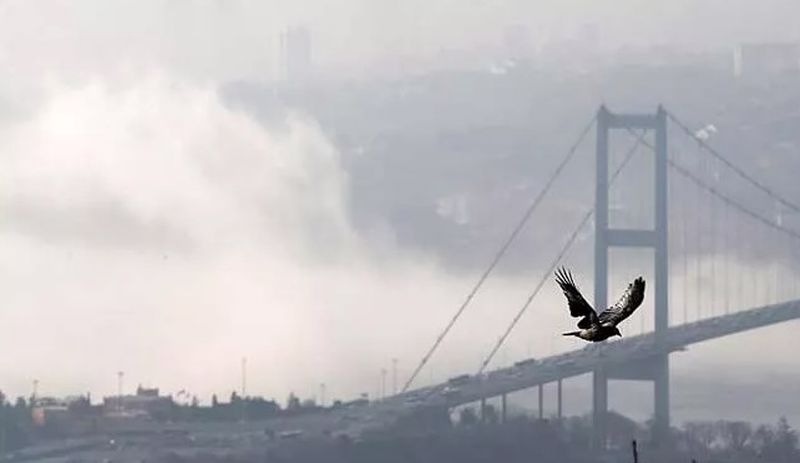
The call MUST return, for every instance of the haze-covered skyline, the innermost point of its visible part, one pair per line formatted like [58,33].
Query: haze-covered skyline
[235,39]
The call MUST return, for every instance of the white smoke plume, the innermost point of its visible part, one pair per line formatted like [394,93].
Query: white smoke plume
[150,229]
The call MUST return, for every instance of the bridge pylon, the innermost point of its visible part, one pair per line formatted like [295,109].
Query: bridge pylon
[656,369]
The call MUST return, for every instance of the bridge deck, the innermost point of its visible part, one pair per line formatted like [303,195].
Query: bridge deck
[613,354]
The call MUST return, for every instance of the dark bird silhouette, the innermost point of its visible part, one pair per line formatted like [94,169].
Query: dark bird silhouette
[594,327]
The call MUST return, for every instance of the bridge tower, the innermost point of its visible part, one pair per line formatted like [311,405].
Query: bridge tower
[654,369]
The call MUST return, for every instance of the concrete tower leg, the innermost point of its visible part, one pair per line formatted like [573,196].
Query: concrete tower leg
[541,401]
[661,427]
[599,408]
[560,411]
[656,239]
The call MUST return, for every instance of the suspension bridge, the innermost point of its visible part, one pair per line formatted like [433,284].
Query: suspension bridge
[706,210]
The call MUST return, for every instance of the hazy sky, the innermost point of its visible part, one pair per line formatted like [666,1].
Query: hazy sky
[237,38]
[147,227]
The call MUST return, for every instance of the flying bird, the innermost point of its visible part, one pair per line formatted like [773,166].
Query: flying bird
[594,327]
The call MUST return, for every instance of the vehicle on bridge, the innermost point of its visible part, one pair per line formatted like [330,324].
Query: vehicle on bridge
[414,400]
[356,403]
[459,380]
[450,391]
[526,362]
[294,434]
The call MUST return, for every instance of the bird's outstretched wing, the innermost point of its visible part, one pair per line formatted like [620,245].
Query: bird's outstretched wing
[578,307]
[626,305]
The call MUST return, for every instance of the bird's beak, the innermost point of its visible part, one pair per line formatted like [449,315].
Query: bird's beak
[619,334]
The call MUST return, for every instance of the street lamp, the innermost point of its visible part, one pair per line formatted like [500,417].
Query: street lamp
[35,391]
[383,383]
[120,375]
[394,376]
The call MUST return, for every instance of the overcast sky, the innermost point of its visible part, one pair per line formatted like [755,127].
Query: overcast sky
[148,227]
[237,38]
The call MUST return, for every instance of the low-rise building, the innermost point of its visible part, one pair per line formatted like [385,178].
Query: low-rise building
[764,60]
[146,403]
[70,416]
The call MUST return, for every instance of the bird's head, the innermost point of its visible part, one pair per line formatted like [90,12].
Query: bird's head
[616,332]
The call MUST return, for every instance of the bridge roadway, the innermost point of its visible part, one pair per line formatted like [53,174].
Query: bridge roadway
[612,355]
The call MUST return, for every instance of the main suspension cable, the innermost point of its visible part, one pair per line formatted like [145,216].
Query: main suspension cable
[741,172]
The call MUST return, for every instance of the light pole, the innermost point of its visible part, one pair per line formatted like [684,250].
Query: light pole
[120,375]
[322,394]
[35,392]
[394,376]
[244,377]
[244,388]
[383,383]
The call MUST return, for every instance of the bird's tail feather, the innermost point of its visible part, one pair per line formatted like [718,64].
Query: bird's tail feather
[571,333]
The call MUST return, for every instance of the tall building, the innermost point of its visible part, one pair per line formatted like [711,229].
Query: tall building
[295,54]
[756,60]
